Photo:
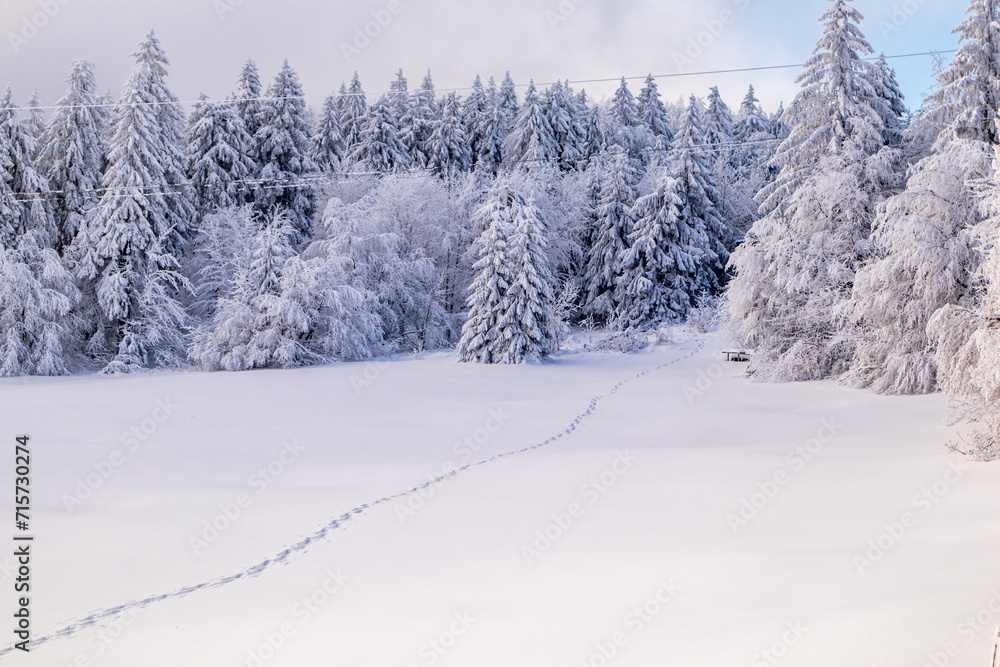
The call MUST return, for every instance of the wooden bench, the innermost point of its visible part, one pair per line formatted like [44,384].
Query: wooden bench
[736,355]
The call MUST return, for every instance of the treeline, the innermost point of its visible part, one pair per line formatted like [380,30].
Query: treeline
[257,233]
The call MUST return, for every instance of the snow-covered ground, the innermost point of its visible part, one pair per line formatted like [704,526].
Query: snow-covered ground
[860,541]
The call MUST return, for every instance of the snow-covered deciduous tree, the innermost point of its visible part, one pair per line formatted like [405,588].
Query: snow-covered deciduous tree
[924,258]
[72,151]
[386,261]
[218,150]
[965,335]
[285,146]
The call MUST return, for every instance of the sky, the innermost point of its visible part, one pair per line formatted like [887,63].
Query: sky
[208,40]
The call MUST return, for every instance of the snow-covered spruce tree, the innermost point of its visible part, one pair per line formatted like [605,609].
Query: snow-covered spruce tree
[718,125]
[967,98]
[894,108]
[610,236]
[510,305]
[838,110]
[924,258]
[660,271]
[417,125]
[328,142]
[493,130]
[796,268]
[218,150]
[756,143]
[24,193]
[248,100]
[151,63]
[37,295]
[449,144]
[625,124]
[399,93]
[285,146]
[36,121]
[531,142]
[690,163]
[652,111]
[353,114]
[594,141]
[528,326]
[474,113]
[122,249]
[72,151]
[379,148]
[561,111]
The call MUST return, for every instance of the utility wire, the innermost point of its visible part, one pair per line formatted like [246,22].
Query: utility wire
[302,181]
[674,75]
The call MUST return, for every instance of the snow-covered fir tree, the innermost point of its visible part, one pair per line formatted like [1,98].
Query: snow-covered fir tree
[24,193]
[379,147]
[531,142]
[36,121]
[37,296]
[170,134]
[328,142]
[417,125]
[123,248]
[718,124]
[285,145]
[248,99]
[796,269]
[690,163]
[660,269]
[72,151]
[610,236]
[561,111]
[353,114]
[218,151]
[967,99]
[449,144]
[510,306]
[652,111]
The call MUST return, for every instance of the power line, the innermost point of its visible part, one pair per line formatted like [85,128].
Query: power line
[674,75]
[304,180]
